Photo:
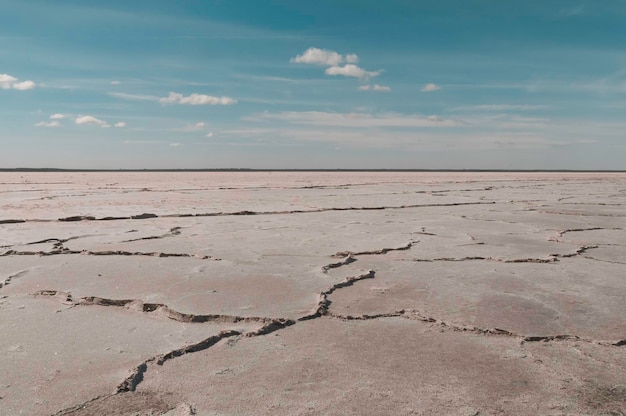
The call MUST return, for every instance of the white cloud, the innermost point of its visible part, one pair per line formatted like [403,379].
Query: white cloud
[120,124]
[176,144]
[48,124]
[209,134]
[9,82]
[324,57]
[115,83]
[375,87]
[200,125]
[430,87]
[334,61]
[57,116]
[6,81]
[25,85]
[91,120]
[316,56]
[196,99]
[351,70]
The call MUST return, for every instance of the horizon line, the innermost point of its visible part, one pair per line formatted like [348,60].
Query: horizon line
[23,169]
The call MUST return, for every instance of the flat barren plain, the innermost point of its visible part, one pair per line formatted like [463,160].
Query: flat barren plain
[320,293]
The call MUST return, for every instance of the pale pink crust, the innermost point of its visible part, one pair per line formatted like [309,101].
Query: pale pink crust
[297,293]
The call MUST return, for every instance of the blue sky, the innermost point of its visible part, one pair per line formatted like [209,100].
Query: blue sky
[313,84]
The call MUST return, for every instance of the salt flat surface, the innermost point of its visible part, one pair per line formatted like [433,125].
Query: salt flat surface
[312,293]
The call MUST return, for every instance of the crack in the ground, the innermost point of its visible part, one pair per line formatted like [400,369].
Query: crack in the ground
[424,233]
[603,260]
[323,302]
[73,409]
[349,259]
[449,259]
[417,316]
[575,213]
[552,258]
[171,233]
[66,251]
[579,251]
[349,254]
[78,218]
[269,325]
[137,375]
[58,242]
[575,230]
[322,309]
[465,217]
[601,204]
[8,279]
[12,221]
[145,307]
[561,233]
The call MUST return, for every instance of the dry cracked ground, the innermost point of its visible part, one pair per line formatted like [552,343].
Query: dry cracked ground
[312,293]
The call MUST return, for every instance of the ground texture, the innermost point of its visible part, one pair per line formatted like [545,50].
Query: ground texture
[256,293]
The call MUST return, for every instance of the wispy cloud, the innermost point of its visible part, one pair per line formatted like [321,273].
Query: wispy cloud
[375,87]
[196,99]
[430,87]
[511,122]
[498,130]
[57,116]
[610,84]
[143,142]
[489,130]
[138,97]
[502,107]
[417,140]
[8,82]
[194,127]
[356,120]
[286,80]
[48,124]
[120,124]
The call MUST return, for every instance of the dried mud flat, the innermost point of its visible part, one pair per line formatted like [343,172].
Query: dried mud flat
[312,293]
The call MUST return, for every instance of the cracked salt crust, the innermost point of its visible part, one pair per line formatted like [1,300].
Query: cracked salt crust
[322,293]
